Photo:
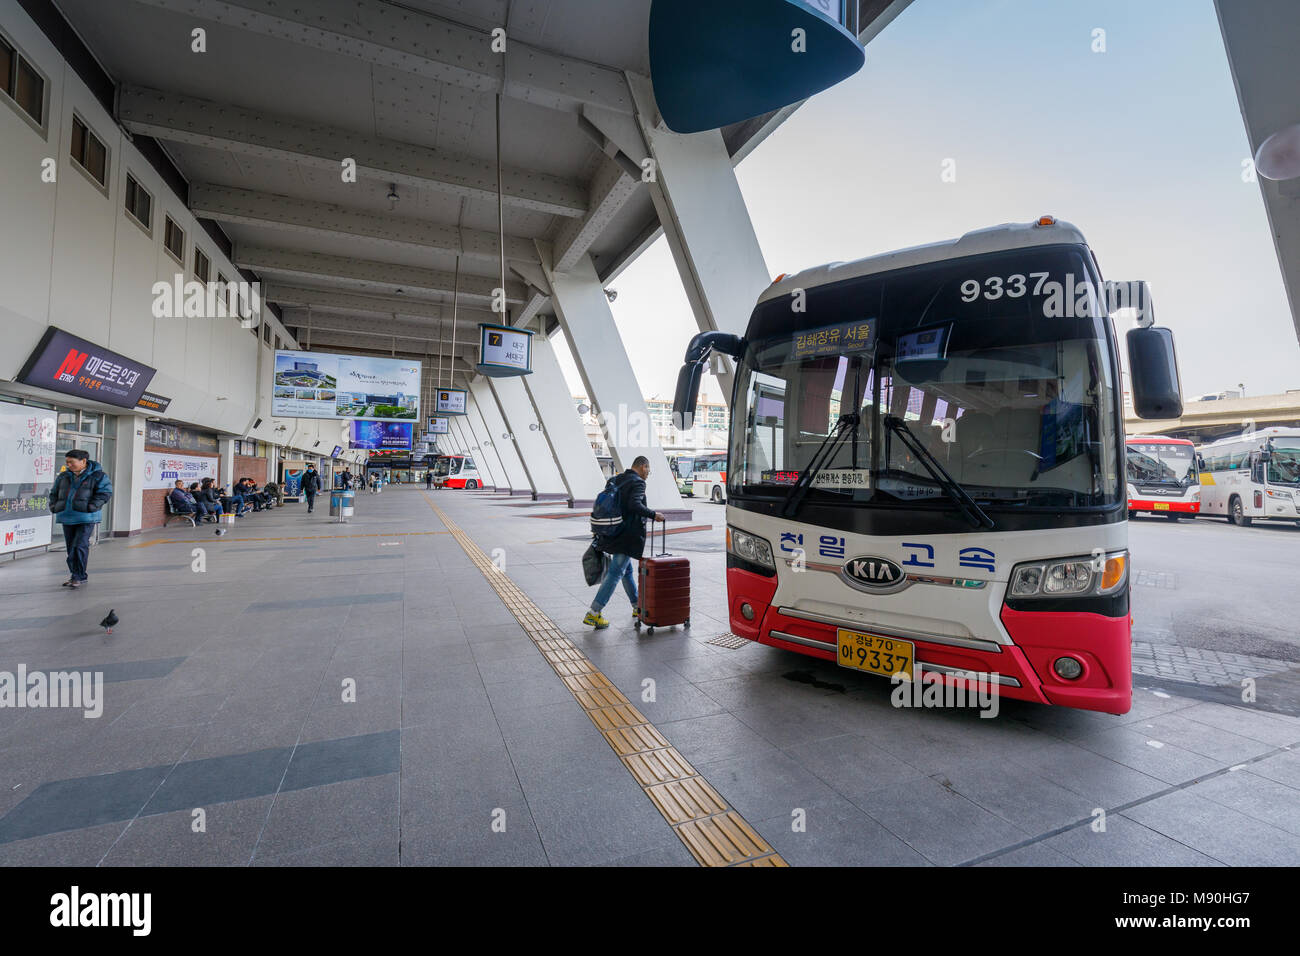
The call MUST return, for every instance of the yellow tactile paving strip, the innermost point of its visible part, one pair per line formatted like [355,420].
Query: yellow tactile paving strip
[715,834]
[308,537]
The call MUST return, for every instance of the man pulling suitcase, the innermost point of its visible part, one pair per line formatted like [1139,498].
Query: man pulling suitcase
[626,543]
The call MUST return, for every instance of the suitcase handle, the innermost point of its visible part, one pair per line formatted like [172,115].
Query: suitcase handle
[664,552]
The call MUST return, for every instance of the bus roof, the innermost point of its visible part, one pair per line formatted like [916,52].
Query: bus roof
[1158,439]
[1258,436]
[1003,238]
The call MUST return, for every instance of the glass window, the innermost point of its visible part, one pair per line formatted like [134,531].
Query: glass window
[30,92]
[89,151]
[67,421]
[8,61]
[139,204]
[202,265]
[92,423]
[174,240]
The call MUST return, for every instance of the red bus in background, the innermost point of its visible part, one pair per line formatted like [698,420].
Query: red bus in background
[456,471]
[1162,476]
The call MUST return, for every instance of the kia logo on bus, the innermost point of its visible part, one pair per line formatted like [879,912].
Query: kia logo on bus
[873,573]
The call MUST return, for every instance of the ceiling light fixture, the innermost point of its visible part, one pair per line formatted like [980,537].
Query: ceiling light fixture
[1279,156]
[393,198]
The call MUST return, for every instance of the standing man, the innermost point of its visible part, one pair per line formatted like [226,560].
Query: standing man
[310,485]
[428,478]
[78,496]
[347,478]
[627,544]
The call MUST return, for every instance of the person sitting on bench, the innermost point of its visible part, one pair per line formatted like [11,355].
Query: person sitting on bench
[183,502]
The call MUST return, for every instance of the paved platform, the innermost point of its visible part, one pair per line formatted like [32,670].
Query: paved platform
[490,727]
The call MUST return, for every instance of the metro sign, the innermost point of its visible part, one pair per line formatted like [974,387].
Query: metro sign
[71,366]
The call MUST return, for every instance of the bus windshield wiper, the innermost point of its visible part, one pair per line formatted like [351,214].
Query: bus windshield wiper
[964,502]
[824,453]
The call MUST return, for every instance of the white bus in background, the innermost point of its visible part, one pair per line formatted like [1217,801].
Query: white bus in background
[1252,477]
[710,478]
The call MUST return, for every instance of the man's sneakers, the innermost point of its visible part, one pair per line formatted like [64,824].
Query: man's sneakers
[69,583]
[593,619]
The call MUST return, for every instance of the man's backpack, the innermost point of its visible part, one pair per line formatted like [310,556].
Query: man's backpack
[607,512]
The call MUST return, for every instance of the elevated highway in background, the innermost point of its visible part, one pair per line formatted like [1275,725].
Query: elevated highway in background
[1206,421]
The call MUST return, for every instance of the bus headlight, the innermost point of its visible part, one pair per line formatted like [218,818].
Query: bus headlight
[1070,577]
[1276,493]
[750,547]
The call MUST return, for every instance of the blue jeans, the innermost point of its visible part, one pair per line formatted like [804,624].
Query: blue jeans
[77,537]
[620,566]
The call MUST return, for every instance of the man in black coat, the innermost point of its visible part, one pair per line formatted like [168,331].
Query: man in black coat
[627,544]
[310,485]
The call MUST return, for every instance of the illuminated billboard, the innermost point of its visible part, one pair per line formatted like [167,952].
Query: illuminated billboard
[327,385]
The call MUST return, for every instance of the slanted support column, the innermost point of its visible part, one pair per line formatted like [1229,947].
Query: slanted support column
[588,323]
[534,451]
[486,403]
[486,447]
[561,426]
[458,424]
[708,229]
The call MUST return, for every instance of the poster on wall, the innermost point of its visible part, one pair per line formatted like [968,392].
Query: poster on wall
[26,474]
[291,473]
[326,385]
[373,435]
[164,470]
[449,401]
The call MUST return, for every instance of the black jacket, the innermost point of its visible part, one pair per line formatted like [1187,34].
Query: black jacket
[310,482]
[92,493]
[630,539]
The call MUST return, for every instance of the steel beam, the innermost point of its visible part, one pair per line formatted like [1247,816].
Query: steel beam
[186,119]
[334,300]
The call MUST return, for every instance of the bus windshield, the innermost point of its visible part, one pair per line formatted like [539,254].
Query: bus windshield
[441,466]
[999,365]
[1161,463]
[1284,466]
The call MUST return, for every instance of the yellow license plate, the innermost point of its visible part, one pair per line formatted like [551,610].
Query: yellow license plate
[875,654]
[1162,506]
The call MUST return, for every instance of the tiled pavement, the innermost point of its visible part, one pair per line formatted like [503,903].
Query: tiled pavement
[225,694]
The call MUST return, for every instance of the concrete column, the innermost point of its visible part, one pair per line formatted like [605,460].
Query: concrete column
[128,476]
[534,450]
[707,225]
[226,468]
[588,324]
[486,447]
[486,403]
[562,427]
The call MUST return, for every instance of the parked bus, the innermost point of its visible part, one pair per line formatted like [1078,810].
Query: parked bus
[1252,477]
[456,471]
[683,469]
[927,464]
[1162,476]
[709,479]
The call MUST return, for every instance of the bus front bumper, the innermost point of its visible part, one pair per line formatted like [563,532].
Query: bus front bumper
[1024,670]
[1161,507]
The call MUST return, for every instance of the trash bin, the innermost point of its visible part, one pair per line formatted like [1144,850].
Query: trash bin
[342,504]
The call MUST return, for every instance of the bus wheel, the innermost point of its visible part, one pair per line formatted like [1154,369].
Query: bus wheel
[471,484]
[1236,513]
[1132,515]
[717,495]
[1172,517]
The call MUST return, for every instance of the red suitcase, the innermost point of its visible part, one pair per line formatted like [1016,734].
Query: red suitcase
[663,588]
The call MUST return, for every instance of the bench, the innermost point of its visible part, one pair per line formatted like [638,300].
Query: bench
[173,513]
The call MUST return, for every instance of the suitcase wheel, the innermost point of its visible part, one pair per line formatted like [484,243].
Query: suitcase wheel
[637,624]
[686,623]
[649,630]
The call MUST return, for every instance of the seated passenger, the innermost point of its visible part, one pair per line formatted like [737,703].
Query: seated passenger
[182,501]
[209,500]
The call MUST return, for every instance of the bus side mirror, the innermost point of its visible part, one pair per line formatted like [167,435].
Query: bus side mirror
[1200,462]
[1153,373]
[688,391]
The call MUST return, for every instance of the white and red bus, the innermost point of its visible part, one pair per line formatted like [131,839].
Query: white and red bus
[456,471]
[927,464]
[1162,476]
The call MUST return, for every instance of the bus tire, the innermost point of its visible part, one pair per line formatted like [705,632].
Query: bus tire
[471,484]
[1131,515]
[1172,517]
[1237,514]
[716,497]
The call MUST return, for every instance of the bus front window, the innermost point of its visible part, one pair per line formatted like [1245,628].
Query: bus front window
[1159,463]
[1013,396]
[1284,466]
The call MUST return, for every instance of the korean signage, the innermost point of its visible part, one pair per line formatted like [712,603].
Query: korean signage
[504,351]
[449,401]
[153,403]
[835,339]
[26,474]
[65,363]
[439,426]
[162,471]
[326,385]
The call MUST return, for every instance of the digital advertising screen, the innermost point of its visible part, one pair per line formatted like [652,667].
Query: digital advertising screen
[326,385]
[376,436]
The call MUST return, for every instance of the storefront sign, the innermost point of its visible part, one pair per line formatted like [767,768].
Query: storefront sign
[26,474]
[153,403]
[163,435]
[65,363]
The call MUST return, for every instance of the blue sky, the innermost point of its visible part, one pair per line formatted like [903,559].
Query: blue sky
[1141,147]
